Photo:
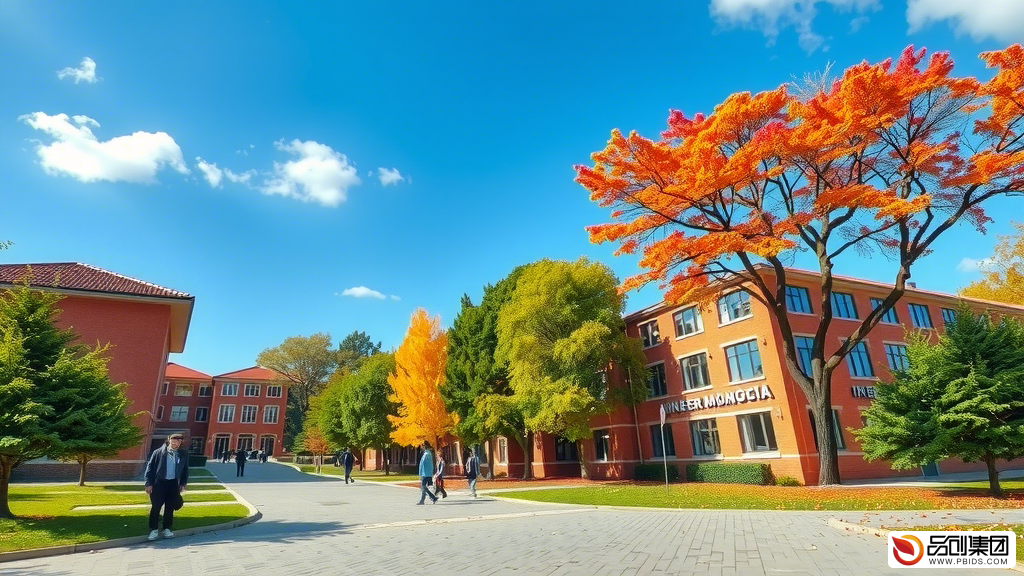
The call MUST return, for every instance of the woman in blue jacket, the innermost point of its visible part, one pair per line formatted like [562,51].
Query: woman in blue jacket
[426,472]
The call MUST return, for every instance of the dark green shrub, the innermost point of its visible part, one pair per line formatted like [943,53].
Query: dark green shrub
[729,473]
[787,481]
[655,472]
[196,460]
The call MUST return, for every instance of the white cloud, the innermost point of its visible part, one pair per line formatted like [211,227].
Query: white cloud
[393,297]
[389,176]
[214,174]
[78,153]
[362,292]
[318,175]
[972,265]
[999,19]
[86,72]
[771,15]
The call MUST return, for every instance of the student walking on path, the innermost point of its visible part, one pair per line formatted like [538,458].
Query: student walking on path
[240,457]
[439,477]
[426,471]
[472,468]
[166,478]
[347,459]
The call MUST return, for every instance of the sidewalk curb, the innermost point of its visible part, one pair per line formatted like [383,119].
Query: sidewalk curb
[253,516]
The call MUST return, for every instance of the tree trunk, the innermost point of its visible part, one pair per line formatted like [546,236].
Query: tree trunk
[527,445]
[828,458]
[993,477]
[362,458]
[82,461]
[386,455]
[490,458]
[582,457]
[5,481]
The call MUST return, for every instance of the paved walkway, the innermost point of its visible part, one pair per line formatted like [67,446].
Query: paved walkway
[315,525]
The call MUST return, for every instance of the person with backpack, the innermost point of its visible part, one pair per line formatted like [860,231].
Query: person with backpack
[347,460]
[472,468]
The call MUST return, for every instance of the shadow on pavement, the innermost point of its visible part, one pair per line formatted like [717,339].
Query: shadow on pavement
[263,473]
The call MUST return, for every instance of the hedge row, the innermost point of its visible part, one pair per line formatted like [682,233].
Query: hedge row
[729,473]
[196,460]
[655,472]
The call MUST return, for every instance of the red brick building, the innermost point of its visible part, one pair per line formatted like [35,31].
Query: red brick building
[141,321]
[185,405]
[247,411]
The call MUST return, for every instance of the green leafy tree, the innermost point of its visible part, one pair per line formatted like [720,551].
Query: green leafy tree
[354,349]
[560,333]
[961,397]
[364,406]
[304,364]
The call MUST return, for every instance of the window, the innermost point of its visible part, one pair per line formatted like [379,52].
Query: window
[245,441]
[670,444]
[159,412]
[896,354]
[270,414]
[179,414]
[798,299]
[843,306]
[249,414]
[202,414]
[919,316]
[226,413]
[744,361]
[565,450]
[166,384]
[229,389]
[273,391]
[704,434]
[695,371]
[601,445]
[182,389]
[837,433]
[859,361]
[502,451]
[804,344]
[649,333]
[733,306]
[252,390]
[656,382]
[889,317]
[948,315]
[205,390]
[197,445]
[687,322]
[757,432]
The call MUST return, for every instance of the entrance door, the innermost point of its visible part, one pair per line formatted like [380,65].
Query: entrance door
[155,443]
[930,469]
[245,442]
[220,445]
[267,445]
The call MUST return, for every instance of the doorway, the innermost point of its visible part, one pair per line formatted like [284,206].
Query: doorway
[930,469]
[267,445]
[220,445]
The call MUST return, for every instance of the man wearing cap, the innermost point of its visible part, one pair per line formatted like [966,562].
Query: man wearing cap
[166,477]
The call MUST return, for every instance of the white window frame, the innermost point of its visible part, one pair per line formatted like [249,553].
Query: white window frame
[723,321]
[277,388]
[606,437]
[277,413]
[762,415]
[206,412]
[171,417]
[694,428]
[220,414]
[653,336]
[707,368]
[179,385]
[245,390]
[252,409]
[502,450]
[209,391]
[757,345]
[226,386]
[698,322]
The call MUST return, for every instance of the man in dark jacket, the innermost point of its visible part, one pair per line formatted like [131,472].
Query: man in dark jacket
[347,460]
[240,455]
[166,478]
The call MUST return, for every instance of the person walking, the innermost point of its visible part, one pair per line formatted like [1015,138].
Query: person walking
[240,455]
[166,478]
[261,457]
[439,477]
[347,460]
[472,468]
[426,471]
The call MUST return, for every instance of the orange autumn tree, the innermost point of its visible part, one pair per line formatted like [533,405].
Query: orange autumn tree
[874,161]
[419,373]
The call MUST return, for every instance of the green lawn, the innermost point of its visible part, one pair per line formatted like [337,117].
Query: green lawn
[740,496]
[1017,528]
[1009,483]
[46,518]
[368,475]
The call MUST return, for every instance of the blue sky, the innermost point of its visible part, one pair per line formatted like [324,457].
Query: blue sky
[416,151]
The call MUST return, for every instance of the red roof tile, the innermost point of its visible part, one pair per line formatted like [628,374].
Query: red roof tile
[76,276]
[254,373]
[179,371]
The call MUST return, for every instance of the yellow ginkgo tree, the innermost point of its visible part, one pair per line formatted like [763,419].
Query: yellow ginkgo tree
[419,373]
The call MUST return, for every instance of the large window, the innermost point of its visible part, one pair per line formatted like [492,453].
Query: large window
[670,444]
[166,384]
[182,389]
[948,315]
[837,432]
[744,361]
[565,451]
[252,390]
[229,389]
[704,434]
[656,382]
[695,371]
[733,306]
[649,334]
[205,390]
[804,345]
[270,414]
[843,305]
[249,414]
[197,445]
[687,321]
[859,361]
[889,317]
[179,414]
[757,432]
[226,413]
[601,438]
[273,391]
[896,354]
[919,316]
[202,414]
[798,299]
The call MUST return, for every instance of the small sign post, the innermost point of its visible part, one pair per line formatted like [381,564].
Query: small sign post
[664,452]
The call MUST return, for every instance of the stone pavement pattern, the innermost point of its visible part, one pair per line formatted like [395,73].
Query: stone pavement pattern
[314,525]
